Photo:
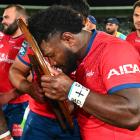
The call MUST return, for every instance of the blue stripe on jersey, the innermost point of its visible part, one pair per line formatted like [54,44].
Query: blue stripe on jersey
[24,62]
[124,86]
[94,32]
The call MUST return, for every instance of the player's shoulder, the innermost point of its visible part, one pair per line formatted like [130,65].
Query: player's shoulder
[105,37]
[115,43]
[4,36]
[107,42]
[108,39]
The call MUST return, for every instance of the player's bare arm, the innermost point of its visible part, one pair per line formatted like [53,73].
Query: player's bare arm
[121,109]
[18,76]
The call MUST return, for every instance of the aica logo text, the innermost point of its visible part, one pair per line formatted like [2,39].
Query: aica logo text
[124,69]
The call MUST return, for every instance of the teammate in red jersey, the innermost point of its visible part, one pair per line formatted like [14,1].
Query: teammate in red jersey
[134,37]
[107,90]
[10,44]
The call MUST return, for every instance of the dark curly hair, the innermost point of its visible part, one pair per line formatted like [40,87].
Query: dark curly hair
[79,5]
[55,19]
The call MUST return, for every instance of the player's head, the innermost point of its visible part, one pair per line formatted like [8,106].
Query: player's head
[136,15]
[80,6]
[58,32]
[112,25]
[11,14]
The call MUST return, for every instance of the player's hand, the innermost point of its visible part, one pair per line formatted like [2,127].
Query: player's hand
[57,86]
[37,93]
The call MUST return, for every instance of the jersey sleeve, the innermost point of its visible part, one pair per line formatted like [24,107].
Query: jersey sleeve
[120,67]
[24,52]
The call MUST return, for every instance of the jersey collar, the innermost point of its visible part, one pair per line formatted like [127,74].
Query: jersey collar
[94,33]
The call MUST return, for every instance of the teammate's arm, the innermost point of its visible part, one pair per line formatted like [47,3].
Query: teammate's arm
[18,76]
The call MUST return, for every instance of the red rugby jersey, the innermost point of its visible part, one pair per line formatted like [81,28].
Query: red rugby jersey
[110,65]
[9,48]
[134,40]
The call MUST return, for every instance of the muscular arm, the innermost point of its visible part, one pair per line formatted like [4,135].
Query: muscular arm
[121,109]
[18,76]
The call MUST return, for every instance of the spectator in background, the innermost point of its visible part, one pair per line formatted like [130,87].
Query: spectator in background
[10,43]
[134,37]
[112,26]
[91,23]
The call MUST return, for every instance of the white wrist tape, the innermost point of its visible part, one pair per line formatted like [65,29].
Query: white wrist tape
[78,94]
[11,138]
[4,134]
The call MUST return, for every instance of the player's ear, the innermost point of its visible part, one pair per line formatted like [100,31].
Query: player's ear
[68,38]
